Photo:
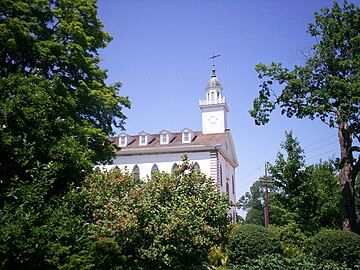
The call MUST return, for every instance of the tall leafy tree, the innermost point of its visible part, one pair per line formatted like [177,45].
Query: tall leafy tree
[326,87]
[57,114]
[57,111]
[287,174]
[306,195]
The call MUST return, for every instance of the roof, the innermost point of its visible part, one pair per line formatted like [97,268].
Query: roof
[213,83]
[199,139]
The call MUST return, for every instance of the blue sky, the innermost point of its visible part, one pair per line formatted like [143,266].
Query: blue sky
[160,53]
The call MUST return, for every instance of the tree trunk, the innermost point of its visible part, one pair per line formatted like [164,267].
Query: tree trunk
[347,179]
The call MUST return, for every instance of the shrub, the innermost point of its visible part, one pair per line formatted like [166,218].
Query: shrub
[299,262]
[250,241]
[291,238]
[170,221]
[339,246]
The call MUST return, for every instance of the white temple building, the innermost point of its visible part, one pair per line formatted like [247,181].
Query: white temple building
[211,149]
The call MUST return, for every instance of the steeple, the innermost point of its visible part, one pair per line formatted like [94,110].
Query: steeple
[213,87]
[214,108]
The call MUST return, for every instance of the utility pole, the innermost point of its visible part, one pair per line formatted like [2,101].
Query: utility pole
[266,181]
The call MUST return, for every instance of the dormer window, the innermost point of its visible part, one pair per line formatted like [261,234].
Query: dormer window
[187,135]
[142,139]
[145,138]
[123,141]
[164,138]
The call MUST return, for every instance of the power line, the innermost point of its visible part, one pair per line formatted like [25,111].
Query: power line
[250,173]
[319,141]
[321,147]
[330,151]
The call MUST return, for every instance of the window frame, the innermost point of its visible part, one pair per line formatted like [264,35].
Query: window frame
[142,140]
[164,138]
[123,141]
[186,136]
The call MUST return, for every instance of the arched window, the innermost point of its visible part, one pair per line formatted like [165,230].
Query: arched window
[154,169]
[174,168]
[136,172]
[220,175]
[196,167]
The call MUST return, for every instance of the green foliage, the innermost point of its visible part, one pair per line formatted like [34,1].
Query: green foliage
[56,109]
[299,262]
[218,258]
[330,79]
[291,238]
[288,168]
[43,236]
[326,87]
[56,118]
[339,246]
[247,242]
[170,221]
[307,196]
[287,175]
[320,200]
[317,204]
[251,202]
[107,254]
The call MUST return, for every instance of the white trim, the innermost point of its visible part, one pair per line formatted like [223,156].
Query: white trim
[121,142]
[186,137]
[143,139]
[164,138]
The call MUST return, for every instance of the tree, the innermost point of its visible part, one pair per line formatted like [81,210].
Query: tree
[287,174]
[57,114]
[252,203]
[326,87]
[57,111]
[306,197]
[170,221]
[320,201]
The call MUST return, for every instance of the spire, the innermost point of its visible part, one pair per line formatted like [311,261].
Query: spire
[213,66]
[213,71]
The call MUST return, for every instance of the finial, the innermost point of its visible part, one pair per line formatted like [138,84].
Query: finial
[213,58]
